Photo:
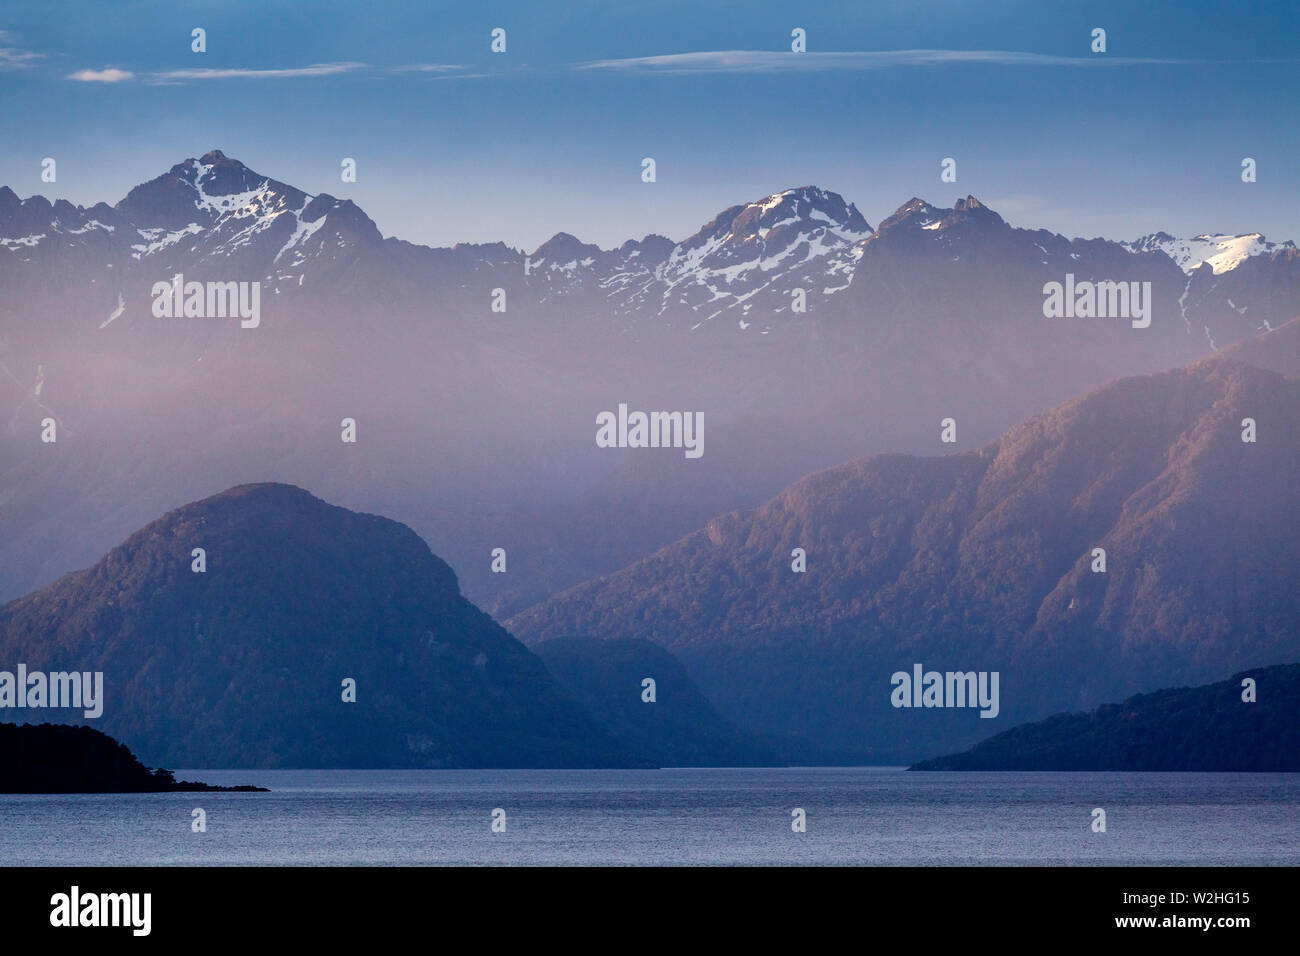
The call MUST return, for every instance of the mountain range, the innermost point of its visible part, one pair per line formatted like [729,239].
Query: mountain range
[737,271]
[476,427]
[306,635]
[771,635]
[987,561]
[804,336]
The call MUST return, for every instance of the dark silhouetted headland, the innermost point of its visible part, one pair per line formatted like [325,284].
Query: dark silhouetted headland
[58,758]
[1210,728]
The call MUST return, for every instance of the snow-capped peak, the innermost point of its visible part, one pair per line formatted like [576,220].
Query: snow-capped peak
[1223,252]
[806,204]
[779,231]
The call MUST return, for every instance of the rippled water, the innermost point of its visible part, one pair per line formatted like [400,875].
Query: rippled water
[877,816]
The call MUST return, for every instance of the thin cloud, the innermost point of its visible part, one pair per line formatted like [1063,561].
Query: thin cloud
[317,69]
[453,71]
[467,76]
[111,75]
[428,68]
[11,57]
[769,61]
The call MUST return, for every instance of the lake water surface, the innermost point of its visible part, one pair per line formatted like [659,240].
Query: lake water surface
[871,816]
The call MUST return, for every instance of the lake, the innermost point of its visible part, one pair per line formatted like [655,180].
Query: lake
[855,816]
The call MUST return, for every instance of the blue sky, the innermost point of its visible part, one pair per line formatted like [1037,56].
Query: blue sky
[549,136]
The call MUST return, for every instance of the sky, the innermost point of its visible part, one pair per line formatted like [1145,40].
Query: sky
[455,143]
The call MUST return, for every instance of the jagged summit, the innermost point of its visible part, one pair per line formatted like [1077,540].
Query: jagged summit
[815,204]
[200,191]
[563,247]
[799,236]
[215,174]
[651,240]
[801,209]
[914,205]
[971,208]
[808,211]
[919,214]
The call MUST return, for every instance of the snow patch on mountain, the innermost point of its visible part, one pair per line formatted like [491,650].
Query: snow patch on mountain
[773,243]
[160,239]
[1223,252]
[27,241]
[121,307]
[301,233]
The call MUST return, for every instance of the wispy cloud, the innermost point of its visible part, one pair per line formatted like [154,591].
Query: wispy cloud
[111,75]
[317,69]
[715,61]
[468,76]
[454,71]
[172,77]
[769,61]
[434,71]
[428,68]
[13,58]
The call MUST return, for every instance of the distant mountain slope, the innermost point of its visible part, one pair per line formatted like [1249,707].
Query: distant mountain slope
[1277,350]
[1188,728]
[680,728]
[243,665]
[982,561]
